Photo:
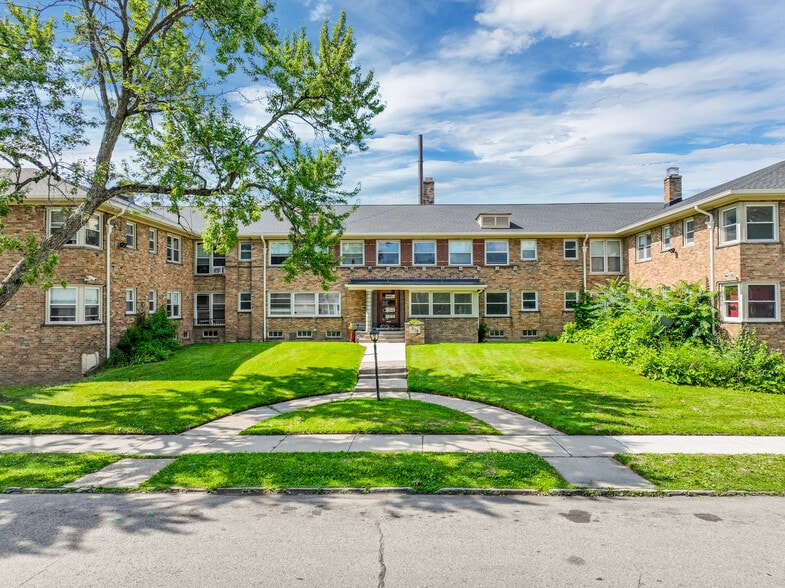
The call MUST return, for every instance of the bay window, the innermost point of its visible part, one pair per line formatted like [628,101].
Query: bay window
[748,222]
[753,302]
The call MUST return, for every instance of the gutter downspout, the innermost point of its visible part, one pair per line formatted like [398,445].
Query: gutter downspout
[264,288]
[109,228]
[585,248]
[710,225]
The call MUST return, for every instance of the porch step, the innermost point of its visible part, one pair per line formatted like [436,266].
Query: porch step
[367,371]
[386,384]
[384,337]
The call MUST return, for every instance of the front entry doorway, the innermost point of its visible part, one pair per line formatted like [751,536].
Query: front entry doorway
[388,309]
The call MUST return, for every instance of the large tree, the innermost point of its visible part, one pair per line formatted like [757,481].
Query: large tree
[197,102]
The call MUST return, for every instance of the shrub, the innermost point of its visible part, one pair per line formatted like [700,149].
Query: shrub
[150,339]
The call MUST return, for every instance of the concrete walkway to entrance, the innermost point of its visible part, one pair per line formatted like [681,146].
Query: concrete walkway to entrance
[583,460]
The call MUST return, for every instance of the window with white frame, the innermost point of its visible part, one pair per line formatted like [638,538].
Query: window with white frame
[173,249]
[73,305]
[460,252]
[245,251]
[528,333]
[441,304]
[130,235]
[570,300]
[570,249]
[528,249]
[497,252]
[643,246]
[689,231]
[173,304]
[210,308]
[130,301]
[424,253]
[529,302]
[666,237]
[152,240]
[497,303]
[605,256]
[729,226]
[760,222]
[280,251]
[87,236]
[310,304]
[244,302]
[152,301]
[388,253]
[352,253]
[209,262]
[752,302]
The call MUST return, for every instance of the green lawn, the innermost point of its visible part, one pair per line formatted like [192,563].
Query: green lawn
[49,470]
[677,471]
[197,384]
[559,384]
[424,472]
[385,416]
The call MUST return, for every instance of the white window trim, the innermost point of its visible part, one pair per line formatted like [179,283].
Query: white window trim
[471,252]
[641,255]
[130,232]
[270,253]
[213,322]
[79,318]
[152,302]
[605,256]
[743,302]
[434,253]
[240,256]
[377,253]
[130,297]
[506,251]
[292,305]
[665,247]
[152,239]
[174,244]
[240,304]
[212,267]
[453,314]
[536,252]
[774,218]
[362,249]
[739,224]
[577,299]
[80,235]
[169,295]
[536,301]
[486,303]
[564,250]
[691,241]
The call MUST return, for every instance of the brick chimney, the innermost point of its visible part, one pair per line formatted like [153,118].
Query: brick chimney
[428,192]
[672,186]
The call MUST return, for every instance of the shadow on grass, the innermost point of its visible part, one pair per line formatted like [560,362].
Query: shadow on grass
[195,386]
[573,409]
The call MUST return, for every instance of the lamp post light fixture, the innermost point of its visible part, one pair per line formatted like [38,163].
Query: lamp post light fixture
[375,337]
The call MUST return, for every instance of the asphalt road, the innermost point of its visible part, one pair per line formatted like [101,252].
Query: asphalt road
[204,540]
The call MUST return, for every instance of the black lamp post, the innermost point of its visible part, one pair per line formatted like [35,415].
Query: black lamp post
[375,337]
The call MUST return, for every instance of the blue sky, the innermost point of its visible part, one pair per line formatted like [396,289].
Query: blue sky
[563,100]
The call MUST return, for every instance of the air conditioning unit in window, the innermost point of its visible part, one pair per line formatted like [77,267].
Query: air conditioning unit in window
[219,270]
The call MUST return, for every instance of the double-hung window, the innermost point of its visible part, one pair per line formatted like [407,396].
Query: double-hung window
[528,249]
[605,256]
[570,300]
[73,305]
[529,302]
[496,252]
[210,309]
[152,302]
[87,236]
[280,251]
[152,240]
[643,246]
[208,262]
[173,304]
[460,252]
[244,302]
[570,249]
[172,249]
[666,237]
[748,222]
[749,302]
[130,235]
[424,253]
[388,253]
[689,231]
[729,226]
[305,304]
[497,303]
[352,253]
[245,251]
[130,301]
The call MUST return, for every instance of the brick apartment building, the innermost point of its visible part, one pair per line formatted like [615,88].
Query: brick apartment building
[516,268]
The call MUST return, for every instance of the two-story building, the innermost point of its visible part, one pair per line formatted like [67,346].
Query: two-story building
[516,269]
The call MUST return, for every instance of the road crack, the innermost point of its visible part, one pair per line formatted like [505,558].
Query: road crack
[382,566]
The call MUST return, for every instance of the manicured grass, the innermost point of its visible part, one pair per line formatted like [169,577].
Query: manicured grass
[388,415]
[425,472]
[559,384]
[198,384]
[49,470]
[677,471]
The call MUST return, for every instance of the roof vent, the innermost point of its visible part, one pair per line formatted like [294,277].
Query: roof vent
[494,221]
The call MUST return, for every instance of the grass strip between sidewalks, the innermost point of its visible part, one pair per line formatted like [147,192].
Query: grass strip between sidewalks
[371,416]
[49,470]
[424,472]
[678,471]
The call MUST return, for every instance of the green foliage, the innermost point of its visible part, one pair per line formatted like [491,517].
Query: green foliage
[482,332]
[151,339]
